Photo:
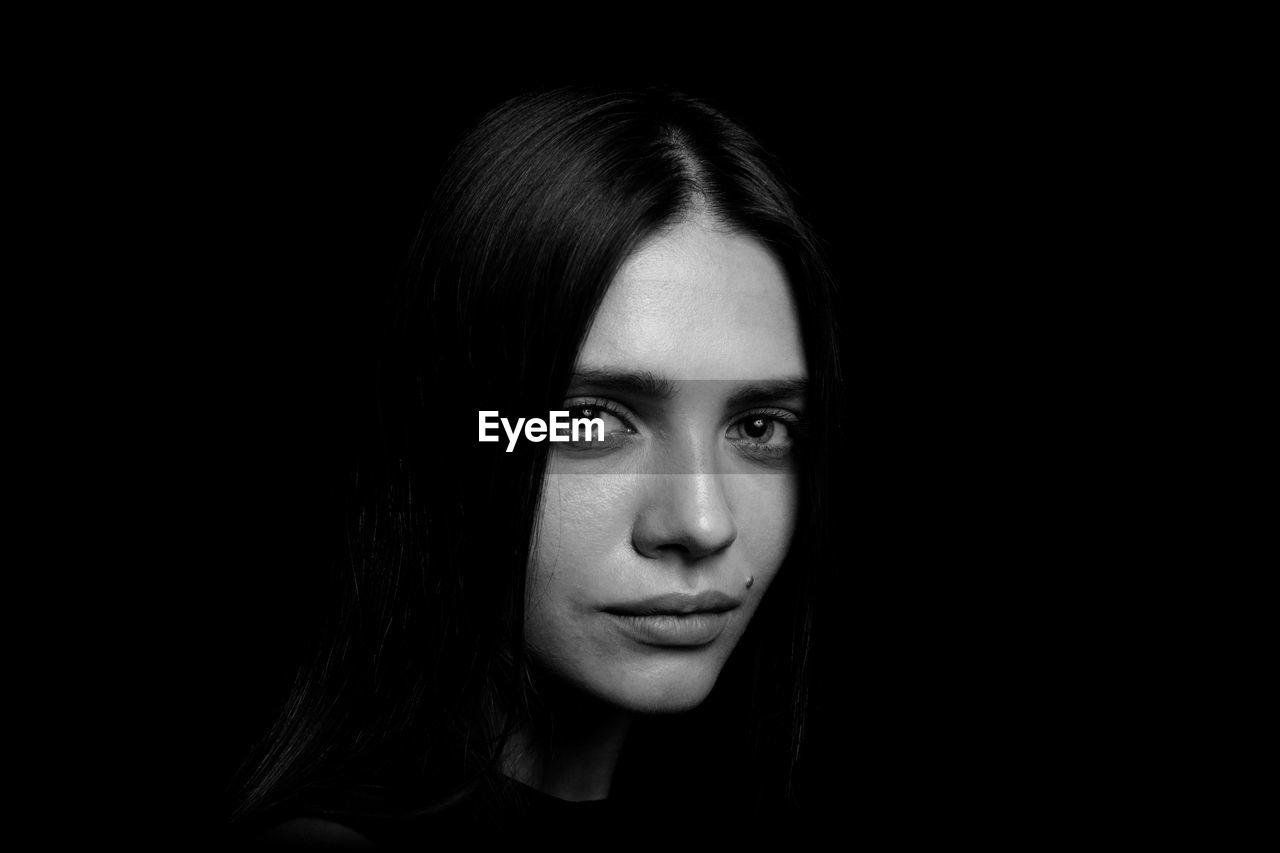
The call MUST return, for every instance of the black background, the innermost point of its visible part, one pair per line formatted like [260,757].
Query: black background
[943,695]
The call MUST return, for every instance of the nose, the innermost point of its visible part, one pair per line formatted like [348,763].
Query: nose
[684,514]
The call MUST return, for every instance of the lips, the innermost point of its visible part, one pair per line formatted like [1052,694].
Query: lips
[677,604]
[675,619]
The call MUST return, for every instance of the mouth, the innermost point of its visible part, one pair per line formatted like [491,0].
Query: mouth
[676,619]
[677,604]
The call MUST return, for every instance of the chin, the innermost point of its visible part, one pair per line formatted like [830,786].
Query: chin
[665,692]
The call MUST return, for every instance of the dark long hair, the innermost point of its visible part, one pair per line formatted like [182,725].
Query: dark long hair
[422,674]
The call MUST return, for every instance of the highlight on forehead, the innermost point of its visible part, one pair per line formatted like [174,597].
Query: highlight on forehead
[646,384]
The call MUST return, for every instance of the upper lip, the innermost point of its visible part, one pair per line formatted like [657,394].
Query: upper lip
[677,603]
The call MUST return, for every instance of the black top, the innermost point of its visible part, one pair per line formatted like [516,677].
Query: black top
[529,815]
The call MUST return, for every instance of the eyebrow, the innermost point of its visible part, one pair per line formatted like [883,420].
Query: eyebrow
[643,383]
[639,382]
[766,392]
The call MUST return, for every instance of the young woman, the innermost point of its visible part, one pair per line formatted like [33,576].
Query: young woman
[607,632]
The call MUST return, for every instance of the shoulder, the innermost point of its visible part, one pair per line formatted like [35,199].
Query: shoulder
[312,833]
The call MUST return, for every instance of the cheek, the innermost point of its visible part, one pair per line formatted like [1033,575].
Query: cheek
[582,517]
[583,522]
[765,515]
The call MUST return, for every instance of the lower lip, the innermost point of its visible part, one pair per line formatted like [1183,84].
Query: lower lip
[689,629]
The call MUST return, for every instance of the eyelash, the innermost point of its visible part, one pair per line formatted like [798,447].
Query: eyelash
[795,425]
[605,405]
[608,407]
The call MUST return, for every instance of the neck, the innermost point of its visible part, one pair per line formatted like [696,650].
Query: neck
[576,759]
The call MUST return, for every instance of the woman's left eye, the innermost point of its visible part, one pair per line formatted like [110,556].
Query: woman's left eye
[757,428]
[763,433]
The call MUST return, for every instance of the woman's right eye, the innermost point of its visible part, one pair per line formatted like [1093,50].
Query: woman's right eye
[616,428]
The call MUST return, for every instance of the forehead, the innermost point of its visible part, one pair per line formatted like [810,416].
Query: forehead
[698,303]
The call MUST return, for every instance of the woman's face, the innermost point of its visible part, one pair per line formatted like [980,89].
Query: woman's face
[646,542]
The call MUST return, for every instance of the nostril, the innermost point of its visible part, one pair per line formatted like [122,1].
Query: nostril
[687,514]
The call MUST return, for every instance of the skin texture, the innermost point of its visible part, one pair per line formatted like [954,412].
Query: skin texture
[679,502]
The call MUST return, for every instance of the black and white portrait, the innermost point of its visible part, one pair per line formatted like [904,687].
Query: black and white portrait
[474,620]
[607,457]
